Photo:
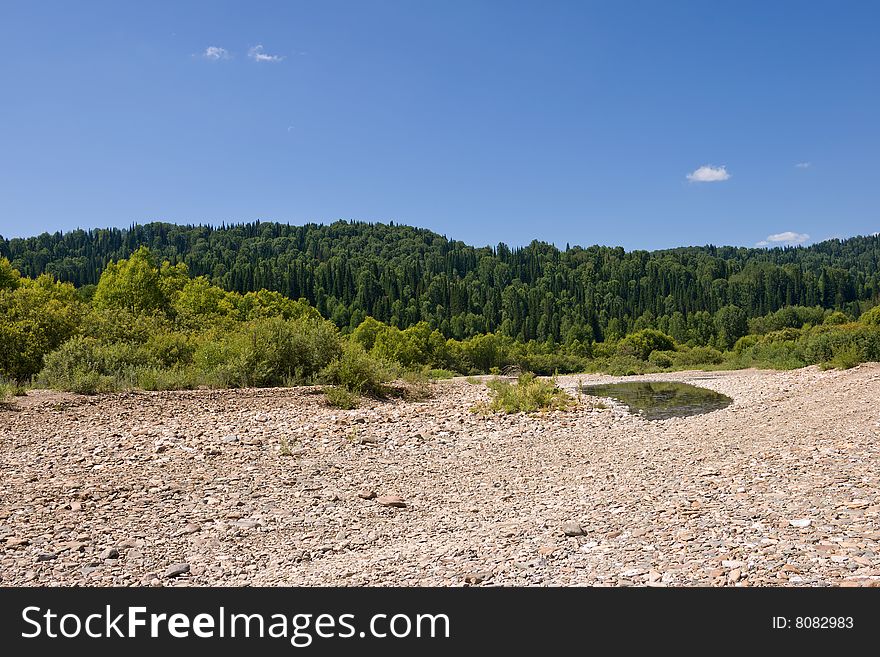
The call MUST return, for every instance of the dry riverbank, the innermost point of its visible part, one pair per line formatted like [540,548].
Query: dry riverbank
[267,487]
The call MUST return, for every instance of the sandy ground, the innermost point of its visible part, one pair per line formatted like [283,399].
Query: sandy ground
[272,487]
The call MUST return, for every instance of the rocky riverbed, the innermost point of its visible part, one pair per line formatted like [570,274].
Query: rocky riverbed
[273,487]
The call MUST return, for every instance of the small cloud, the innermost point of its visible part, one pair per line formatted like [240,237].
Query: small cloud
[789,238]
[215,53]
[258,54]
[708,173]
[803,165]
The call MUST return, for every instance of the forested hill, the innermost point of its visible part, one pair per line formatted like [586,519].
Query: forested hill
[402,275]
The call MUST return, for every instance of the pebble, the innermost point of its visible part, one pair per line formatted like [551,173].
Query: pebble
[175,570]
[391,500]
[683,502]
[572,529]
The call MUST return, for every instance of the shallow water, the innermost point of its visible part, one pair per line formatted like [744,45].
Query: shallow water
[659,400]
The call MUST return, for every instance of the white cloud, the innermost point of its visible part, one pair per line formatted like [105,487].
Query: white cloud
[259,55]
[708,173]
[215,53]
[789,238]
[803,165]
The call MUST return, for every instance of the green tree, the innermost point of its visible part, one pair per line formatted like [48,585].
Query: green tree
[132,284]
[731,323]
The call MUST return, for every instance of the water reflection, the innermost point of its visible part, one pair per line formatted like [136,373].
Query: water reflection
[659,400]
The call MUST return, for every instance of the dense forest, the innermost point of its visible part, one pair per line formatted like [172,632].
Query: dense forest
[402,276]
[356,306]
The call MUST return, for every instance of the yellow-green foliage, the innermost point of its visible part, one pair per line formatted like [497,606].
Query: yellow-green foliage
[36,316]
[341,397]
[527,395]
[872,317]
[358,372]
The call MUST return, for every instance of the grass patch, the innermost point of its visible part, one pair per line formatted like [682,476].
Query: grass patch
[417,386]
[440,374]
[528,395]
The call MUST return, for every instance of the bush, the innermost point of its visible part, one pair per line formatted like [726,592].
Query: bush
[10,389]
[440,374]
[358,372]
[270,352]
[642,343]
[85,365]
[745,342]
[777,355]
[662,359]
[836,318]
[167,379]
[697,356]
[340,397]
[845,357]
[622,366]
[872,317]
[527,395]
[416,386]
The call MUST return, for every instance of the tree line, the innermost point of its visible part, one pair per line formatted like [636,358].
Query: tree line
[402,276]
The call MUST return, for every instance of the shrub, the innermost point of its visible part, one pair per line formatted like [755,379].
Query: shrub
[837,318]
[872,317]
[358,372]
[745,342]
[642,343]
[416,386]
[10,389]
[662,359]
[548,364]
[340,397]
[845,357]
[440,374]
[784,355]
[152,378]
[527,395]
[622,366]
[270,352]
[696,356]
[87,366]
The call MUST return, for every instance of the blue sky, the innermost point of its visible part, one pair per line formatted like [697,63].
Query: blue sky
[496,121]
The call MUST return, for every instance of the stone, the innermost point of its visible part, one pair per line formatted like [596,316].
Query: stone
[367,494]
[190,528]
[176,570]
[546,550]
[800,522]
[476,578]
[734,575]
[573,529]
[73,546]
[246,524]
[109,553]
[230,438]
[46,556]
[391,500]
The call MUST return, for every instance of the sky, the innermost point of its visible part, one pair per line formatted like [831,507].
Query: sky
[640,124]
